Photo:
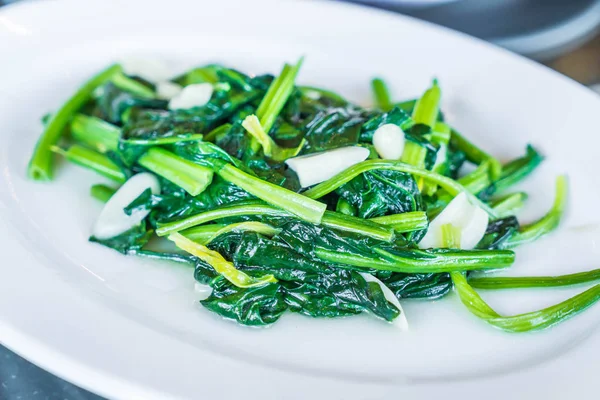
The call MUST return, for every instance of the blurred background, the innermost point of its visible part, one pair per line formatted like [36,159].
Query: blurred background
[563,34]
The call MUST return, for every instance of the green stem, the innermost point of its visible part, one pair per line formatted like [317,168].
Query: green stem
[509,204]
[510,282]
[475,154]
[523,322]
[381,94]
[191,177]
[518,323]
[427,107]
[303,207]
[40,166]
[132,86]
[92,160]
[405,222]
[451,186]
[165,140]
[330,219]
[433,263]
[95,133]
[546,224]
[102,192]
[277,95]
[517,170]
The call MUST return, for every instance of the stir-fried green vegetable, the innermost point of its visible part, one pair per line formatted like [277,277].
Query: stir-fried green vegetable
[234,180]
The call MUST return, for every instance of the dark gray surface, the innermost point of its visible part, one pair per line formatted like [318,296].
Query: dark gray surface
[21,380]
[487,19]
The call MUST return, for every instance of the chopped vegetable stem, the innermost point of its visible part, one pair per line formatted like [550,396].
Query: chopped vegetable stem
[40,166]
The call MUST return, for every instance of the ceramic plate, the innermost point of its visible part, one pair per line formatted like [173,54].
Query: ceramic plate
[133,329]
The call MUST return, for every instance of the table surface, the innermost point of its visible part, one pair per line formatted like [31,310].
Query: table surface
[21,380]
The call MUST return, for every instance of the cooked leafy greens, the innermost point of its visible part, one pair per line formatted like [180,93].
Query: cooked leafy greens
[229,200]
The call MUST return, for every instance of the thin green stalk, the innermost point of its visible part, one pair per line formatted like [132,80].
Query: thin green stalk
[41,166]
[516,282]
[191,177]
[303,207]
[381,94]
[546,224]
[451,186]
[132,86]
[523,322]
[92,160]
[427,108]
[165,140]
[277,95]
[95,133]
[475,154]
[348,223]
[509,204]
[405,222]
[330,219]
[205,234]
[101,192]
[433,263]
[473,182]
[517,170]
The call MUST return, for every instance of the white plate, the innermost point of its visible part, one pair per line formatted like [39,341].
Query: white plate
[129,328]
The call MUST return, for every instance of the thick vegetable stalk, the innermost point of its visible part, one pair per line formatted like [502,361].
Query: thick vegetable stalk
[95,132]
[381,94]
[40,166]
[277,95]
[193,178]
[92,160]
[301,206]
[518,323]
[221,265]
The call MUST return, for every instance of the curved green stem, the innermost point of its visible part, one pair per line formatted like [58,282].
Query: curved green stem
[40,166]
[514,282]
[451,186]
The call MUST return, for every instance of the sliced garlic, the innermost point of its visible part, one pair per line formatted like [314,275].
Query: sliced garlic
[167,90]
[195,95]
[318,167]
[112,220]
[389,141]
[149,69]
[470,219]
[401,321]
